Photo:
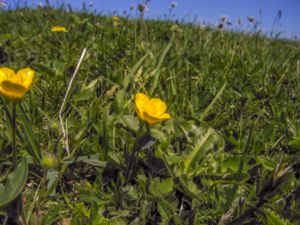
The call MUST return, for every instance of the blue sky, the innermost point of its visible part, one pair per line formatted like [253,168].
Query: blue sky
[209,10]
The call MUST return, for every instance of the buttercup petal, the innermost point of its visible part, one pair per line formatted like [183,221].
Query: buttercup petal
[139,102]
[150,119]
[12,90]
[165,116]
[14,85]
[59,29]
[155,107]
[6,73]
[25,77]
[152,110]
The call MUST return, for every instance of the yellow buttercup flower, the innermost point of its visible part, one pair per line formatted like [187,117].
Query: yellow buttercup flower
[15,85]
[116,18]
[59,29]
[116,21]
[151,110]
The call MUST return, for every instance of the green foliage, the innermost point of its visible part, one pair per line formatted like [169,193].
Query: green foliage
[160,188]
[268,216]
[14,184]
[230,150]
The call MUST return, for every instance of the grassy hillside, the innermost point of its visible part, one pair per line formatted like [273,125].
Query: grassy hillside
[229,155]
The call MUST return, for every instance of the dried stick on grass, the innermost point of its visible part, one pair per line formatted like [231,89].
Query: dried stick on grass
[64,127]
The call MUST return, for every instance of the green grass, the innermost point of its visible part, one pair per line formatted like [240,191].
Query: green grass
[229,155]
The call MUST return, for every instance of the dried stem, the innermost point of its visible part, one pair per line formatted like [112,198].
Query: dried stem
[64,127]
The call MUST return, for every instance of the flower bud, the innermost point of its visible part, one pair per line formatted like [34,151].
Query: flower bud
[49,161]
[53,124]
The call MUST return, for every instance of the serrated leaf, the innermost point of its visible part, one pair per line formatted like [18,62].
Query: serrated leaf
[268,216]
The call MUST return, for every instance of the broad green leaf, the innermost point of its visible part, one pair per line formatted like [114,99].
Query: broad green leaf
[52,176]
[14,183]
[161,188]
[95,162]
[233,162]
[166,210]
[159,135]
[266,163]
[120,98]
[88,159]
[130,122]
[84,95]
[87,92]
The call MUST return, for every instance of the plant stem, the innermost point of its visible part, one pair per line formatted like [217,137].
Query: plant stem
[14,131]
[132,156]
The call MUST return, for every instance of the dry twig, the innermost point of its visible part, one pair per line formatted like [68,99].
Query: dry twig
[64,127]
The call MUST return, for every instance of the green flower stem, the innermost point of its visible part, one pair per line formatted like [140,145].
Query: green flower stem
[14,131]
[132,156]
[23,216]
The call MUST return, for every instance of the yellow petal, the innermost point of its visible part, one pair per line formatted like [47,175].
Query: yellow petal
[155,107]
[25,77]
[9,83]
[6,73]
[139,100]
[151,110]
[165,116]
[12,90]
[150,119]
[59,29]
[15,85]
[116,18]
[154,120]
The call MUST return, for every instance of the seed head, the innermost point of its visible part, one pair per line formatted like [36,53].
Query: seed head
[49,161]
[174,5]
[221,26]
[142,7]
[2,4]
[251,19]
[223,19]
